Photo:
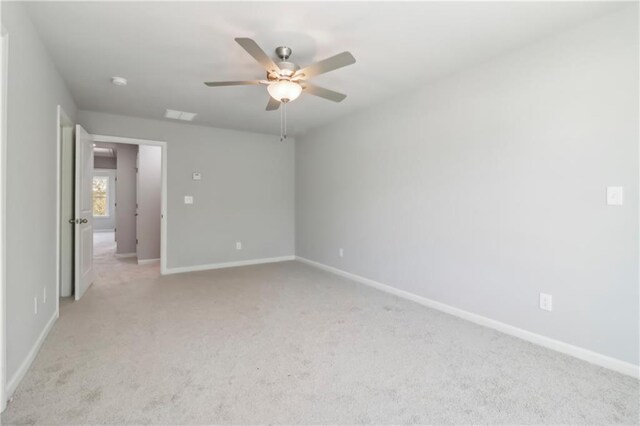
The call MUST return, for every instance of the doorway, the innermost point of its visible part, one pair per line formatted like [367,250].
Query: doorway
[115,175]
[127,185]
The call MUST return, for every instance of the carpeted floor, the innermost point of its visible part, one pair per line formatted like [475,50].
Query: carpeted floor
[285,343]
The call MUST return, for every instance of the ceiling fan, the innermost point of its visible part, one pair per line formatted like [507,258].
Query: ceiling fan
[286,80]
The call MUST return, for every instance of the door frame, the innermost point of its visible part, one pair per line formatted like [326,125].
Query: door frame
[63,121]
[163,195]
[164,219]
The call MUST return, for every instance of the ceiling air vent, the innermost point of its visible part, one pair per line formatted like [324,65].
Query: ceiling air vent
[179,115]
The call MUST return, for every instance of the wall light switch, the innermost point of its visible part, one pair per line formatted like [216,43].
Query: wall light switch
[188,199]
[341,252]
[615,195]
[238,245]
[196,176]
[546,302]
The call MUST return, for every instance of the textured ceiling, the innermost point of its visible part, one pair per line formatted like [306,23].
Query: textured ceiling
[168,49]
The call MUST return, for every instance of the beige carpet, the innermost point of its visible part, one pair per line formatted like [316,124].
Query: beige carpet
[285,343]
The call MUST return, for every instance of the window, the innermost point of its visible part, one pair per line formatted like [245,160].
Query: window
[100,198]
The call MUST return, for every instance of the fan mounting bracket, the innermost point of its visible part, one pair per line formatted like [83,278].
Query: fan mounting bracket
[283,52]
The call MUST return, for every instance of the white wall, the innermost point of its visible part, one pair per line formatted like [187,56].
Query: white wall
[485,188]
[109,222]
[149,201]
[34,90]
[126,199]
[246,193]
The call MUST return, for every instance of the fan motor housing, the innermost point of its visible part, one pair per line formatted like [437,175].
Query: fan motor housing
[287,69]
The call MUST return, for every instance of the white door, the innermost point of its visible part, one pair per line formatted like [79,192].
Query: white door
[83,212]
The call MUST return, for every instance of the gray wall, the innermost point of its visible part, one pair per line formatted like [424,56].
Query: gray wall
[246,192]
[487,187]
[100,162]
[34,90]
[109,222]
[149,201]
[126,199]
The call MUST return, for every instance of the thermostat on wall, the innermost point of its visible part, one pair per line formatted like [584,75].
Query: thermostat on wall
[196,176]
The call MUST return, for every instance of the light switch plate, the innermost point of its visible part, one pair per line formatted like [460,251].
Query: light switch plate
[188,199]
[615,195]
[546,302]
[196,176]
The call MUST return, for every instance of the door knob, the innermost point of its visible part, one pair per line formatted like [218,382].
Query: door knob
[72,221]
[83,221]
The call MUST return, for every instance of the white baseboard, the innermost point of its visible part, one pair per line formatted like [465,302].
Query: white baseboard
[538,339]
[147,261]
[13,383]
[180,269]
[125,255]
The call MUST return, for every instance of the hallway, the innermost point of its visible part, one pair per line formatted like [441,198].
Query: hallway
[112,270]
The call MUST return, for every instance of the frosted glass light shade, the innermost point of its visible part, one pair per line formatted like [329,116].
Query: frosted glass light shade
[284,90]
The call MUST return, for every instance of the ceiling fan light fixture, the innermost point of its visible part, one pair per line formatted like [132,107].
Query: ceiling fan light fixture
[284,90]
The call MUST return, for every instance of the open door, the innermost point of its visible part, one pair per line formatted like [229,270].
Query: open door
[83,212]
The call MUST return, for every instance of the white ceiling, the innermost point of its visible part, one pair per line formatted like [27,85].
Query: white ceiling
[168,49]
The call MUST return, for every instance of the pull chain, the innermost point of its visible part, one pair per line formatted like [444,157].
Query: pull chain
[283,121]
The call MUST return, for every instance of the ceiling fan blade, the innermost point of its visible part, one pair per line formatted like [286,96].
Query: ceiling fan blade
[312,89]
[258,54]
[273,104]
[232,83]
[338,61]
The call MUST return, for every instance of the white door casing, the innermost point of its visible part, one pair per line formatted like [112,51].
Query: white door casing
[163,194]
[84,273]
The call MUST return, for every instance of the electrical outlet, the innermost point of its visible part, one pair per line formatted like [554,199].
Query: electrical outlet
[188,199]
[44,295]
[341,252]
[35,305]
[238,245]
[546,302]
